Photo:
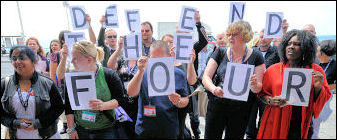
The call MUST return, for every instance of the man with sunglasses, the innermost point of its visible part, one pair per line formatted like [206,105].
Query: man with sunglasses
[110,37]
[147,39]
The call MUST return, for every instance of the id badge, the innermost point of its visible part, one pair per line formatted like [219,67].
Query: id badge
[88,116]
[150,111]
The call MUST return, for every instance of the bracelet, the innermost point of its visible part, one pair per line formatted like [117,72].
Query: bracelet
[178,103]
[72,130]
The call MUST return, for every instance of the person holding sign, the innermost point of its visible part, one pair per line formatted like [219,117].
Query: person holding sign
[281,121]
[107,39]
[229,114]
[97,123]
[30,101]
[157,115]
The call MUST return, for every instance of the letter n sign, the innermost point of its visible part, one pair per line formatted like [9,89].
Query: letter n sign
[296,86]
[236,84]
[160,76]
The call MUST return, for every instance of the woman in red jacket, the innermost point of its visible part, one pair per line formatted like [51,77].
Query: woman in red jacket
[280,121]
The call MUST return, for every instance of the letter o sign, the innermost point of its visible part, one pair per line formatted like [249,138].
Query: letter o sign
[152,74]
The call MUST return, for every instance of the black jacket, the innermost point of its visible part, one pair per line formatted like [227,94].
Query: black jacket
[271,56]
[49,105]
[199,45]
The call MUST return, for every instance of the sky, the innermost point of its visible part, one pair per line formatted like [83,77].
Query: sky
[44,19]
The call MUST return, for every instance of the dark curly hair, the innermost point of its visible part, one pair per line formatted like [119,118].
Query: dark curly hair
[328,47]
[24,50]
[308,46]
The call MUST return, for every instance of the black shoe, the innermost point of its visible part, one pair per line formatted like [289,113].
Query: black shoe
[64,130]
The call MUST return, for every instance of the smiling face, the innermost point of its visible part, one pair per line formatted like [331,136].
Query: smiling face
[293,49]
[220,40]
[21,63]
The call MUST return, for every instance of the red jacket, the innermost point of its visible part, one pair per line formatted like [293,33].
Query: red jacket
[276,120]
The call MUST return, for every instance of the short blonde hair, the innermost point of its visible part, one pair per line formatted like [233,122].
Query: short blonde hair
[243,28]
[87,48]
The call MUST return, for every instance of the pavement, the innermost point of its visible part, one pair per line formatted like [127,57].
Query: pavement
[327,130]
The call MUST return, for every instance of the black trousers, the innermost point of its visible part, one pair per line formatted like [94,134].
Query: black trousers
[257,105]
[232,119]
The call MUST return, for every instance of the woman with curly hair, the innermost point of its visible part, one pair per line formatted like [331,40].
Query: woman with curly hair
[281,121]
[227,114]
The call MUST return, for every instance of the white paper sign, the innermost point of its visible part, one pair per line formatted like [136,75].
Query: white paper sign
[296,86]
[236,12]
[81,88]
[160,76]
[236,85]
[111,17]
[71,39]
[78,18]
[184,44]
[187,21]
[132,46]
[133,20]
[273,28]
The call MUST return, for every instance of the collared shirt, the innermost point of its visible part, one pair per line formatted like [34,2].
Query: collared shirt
[111,50]
[202,58]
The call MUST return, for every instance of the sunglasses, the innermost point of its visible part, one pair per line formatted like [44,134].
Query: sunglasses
[233,34]
[21,58]
[112,36]
[294,43]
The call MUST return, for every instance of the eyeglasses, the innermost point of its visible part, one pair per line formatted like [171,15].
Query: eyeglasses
[294,43]
[145,31]
[112,36]
[233,34]
[21,58]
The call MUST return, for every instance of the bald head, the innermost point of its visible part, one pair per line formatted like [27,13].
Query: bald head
[220,39]
[310,28]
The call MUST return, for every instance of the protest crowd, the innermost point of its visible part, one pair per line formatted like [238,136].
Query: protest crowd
[137,87]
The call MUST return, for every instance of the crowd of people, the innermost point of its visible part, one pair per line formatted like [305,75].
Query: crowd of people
[35,97]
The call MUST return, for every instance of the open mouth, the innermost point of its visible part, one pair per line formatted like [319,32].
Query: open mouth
[19,67]
[290,52]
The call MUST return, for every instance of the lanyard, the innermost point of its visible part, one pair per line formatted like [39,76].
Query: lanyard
[24,103]
[327,66]
[98,68]
[243,58]
[130,70]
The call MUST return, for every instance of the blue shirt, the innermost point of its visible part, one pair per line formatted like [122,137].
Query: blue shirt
[165,124]
[146,49]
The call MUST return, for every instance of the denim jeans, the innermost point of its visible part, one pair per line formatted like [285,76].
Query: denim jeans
[106,133]
[194,117]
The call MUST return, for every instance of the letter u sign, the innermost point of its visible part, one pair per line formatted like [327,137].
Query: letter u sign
[236,85]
